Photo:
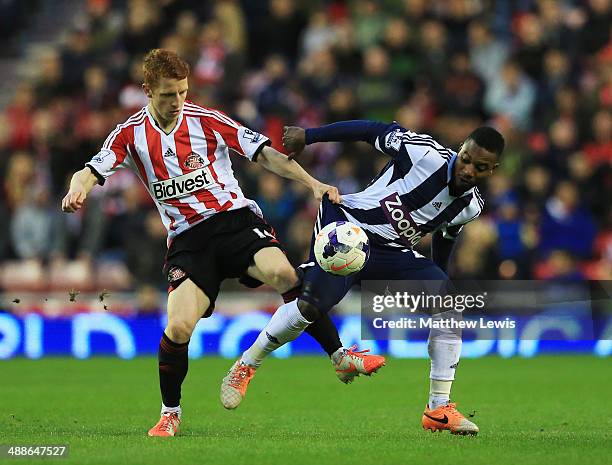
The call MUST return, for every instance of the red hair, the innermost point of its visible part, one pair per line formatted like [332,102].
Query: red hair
[161,63]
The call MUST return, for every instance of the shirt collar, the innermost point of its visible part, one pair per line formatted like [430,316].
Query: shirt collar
[451,165]
[156,126]
[449,174]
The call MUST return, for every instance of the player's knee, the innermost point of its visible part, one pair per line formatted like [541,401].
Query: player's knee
[179,330]
[308,310]
[283,278]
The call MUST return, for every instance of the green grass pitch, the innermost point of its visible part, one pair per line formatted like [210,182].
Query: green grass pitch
[546,410]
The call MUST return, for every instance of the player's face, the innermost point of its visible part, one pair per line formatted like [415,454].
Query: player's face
[167,98]
[473,165]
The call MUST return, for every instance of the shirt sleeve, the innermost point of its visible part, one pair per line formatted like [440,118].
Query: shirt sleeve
[451,232]
[442,243]
[112,156]
[398,141]
[441,249]
[392,140]
[348,131]
[250,143]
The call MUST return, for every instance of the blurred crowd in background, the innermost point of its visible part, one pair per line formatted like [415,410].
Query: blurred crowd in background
[538,70]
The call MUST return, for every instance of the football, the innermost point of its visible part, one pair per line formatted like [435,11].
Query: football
[342,248]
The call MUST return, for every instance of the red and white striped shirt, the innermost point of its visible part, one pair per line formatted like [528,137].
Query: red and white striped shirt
[187,172]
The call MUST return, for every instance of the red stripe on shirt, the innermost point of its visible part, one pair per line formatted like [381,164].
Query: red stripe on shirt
[228,132]
[161,172]
[145,179]
[138,162]
[211,144]
[183,150]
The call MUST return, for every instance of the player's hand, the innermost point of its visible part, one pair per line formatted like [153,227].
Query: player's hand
[74,200]
[294,140]
[321,189]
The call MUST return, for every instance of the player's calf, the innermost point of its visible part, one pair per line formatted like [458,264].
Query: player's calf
[286,324]
[186,304]
[308,310]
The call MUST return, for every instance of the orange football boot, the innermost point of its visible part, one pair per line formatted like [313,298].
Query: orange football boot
[235,384]
[168,425]
[447,417]
[353,363]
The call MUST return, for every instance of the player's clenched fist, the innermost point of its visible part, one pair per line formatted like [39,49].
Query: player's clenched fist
[332,192]
[80,185]
[73,200]
[294,140]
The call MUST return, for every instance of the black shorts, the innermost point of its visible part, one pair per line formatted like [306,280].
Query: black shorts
[218,248]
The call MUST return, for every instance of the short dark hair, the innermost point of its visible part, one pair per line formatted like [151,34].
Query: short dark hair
[489,139]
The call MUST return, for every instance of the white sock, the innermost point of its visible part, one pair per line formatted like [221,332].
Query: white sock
[439,393]
[286,324]
[165,409]
[444,347]
[337,355]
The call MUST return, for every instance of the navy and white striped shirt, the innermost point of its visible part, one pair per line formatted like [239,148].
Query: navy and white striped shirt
[410,197]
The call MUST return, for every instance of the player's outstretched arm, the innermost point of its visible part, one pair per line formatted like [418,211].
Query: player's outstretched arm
[279,164]
[296,138]
[81,183]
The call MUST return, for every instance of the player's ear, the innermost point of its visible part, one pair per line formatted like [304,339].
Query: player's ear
[147,90]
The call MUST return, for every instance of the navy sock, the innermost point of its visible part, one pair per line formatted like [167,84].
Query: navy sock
[324,331]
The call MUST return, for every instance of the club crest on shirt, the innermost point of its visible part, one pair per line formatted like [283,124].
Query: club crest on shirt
[175,273]
[194,161]
[394,140]
[252,136]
